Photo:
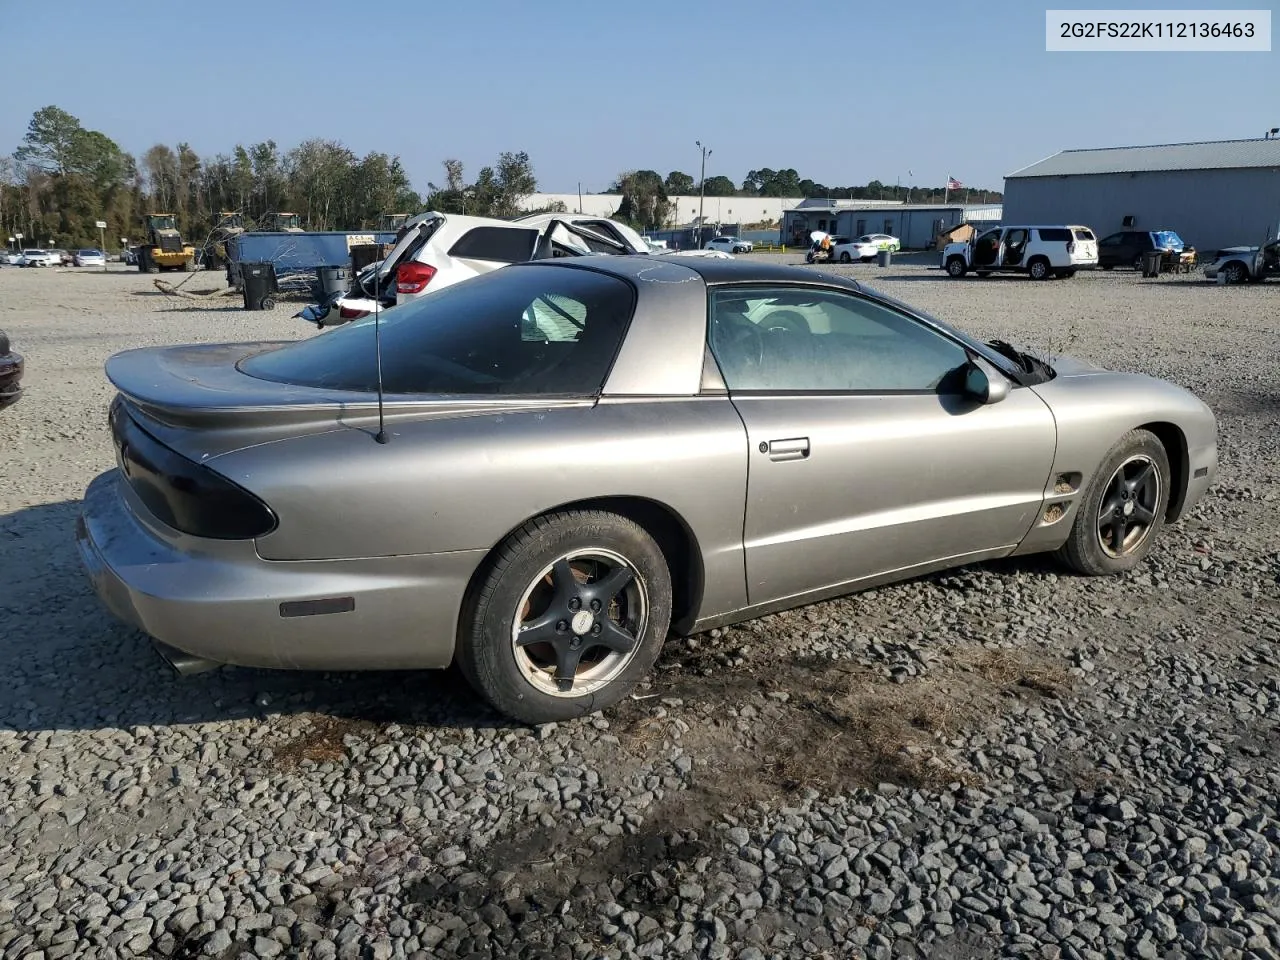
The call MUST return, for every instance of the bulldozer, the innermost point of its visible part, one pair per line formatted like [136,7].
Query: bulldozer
[162,247]
[283,223]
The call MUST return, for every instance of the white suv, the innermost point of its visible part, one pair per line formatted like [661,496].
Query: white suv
[436,250]
[1040,252]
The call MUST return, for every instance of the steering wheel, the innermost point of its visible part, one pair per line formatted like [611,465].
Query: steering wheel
[739,333]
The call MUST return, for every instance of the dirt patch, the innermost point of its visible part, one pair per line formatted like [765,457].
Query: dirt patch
[322,741]
[832,725]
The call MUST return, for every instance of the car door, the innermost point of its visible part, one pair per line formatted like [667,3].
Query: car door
[1111,251]
[864,455]
[986,249]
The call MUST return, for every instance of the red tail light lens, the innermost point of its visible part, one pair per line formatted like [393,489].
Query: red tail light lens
[350,313]
[413,277]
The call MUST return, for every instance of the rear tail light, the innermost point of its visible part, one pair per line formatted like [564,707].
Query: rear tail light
[1071,246]
[183,494]
[351,313]
[413,277]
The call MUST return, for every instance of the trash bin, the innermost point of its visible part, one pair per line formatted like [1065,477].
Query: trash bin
[1151,263]
[884,258]
[260,285]
[331,280]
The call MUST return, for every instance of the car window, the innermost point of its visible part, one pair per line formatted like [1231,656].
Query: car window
[1082,234]
[1112,241]
[795,339]
[523,330]
[1054,234]
[499,244]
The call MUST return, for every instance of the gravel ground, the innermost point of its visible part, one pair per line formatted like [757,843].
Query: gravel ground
[1000,761]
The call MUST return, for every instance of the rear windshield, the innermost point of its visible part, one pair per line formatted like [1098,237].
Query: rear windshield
[1084,234]
[522,330]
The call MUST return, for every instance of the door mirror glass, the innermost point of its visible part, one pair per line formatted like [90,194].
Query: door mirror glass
[984,383]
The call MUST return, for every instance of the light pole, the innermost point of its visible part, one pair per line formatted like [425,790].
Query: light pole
[702,188]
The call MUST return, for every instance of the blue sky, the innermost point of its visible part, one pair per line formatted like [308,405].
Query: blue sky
[590,89]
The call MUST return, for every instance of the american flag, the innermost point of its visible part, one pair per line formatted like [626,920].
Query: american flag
[953,183]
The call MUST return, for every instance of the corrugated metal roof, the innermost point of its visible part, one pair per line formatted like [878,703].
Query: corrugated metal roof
[1211,155]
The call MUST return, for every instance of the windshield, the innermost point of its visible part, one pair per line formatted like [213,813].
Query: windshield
[523,330]
[1168,240]
[993,355]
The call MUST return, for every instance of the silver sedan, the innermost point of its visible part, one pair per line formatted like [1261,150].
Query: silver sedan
[539,472]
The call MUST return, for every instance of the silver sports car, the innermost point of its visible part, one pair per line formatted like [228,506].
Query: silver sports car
[574,456]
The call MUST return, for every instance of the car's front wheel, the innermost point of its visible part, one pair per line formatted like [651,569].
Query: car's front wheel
[568,618]
[1122,510]
[1235,272]
[956,267]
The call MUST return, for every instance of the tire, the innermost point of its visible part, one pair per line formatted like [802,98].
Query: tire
[527,573]
[1084,551]
[956,268]
[1235,272]
[1039,269]
[845,258]
[1107,266]
[189,266]
[268,303]
[1137,263]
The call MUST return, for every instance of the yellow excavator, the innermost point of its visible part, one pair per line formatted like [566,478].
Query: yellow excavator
[162,247]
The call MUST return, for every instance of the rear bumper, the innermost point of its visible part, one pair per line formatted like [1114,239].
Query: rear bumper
[219,601]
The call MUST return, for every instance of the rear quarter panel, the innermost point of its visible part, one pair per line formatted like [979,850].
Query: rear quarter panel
[466,482]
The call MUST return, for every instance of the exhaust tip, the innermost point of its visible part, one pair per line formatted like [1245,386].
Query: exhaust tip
[184,664]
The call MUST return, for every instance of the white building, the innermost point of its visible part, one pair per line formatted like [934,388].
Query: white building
[715,209]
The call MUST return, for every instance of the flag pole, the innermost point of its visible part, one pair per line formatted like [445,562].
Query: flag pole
[946,189]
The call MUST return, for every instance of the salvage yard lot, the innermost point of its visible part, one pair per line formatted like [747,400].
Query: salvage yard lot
[1003,760]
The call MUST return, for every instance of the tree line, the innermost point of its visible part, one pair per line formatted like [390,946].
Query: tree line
[63,178]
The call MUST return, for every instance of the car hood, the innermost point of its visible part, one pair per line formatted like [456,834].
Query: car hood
[1231,251]
[1075,367]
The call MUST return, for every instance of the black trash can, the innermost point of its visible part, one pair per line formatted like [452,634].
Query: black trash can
[884,258]
[1151,263]
[331,280]
[260,285]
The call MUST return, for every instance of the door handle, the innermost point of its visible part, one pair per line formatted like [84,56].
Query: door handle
[795,448]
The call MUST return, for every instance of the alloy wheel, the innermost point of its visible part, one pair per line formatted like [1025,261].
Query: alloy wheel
[579,623]
[1127,512]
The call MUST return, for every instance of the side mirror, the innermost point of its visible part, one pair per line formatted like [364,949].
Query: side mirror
[984,382]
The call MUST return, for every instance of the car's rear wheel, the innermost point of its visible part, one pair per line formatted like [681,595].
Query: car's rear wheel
[1039,269]
[845,258]
[1137,263]
[1123,509]
[569,617]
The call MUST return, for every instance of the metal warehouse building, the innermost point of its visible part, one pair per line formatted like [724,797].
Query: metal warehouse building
[915,224]
[1215,194]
